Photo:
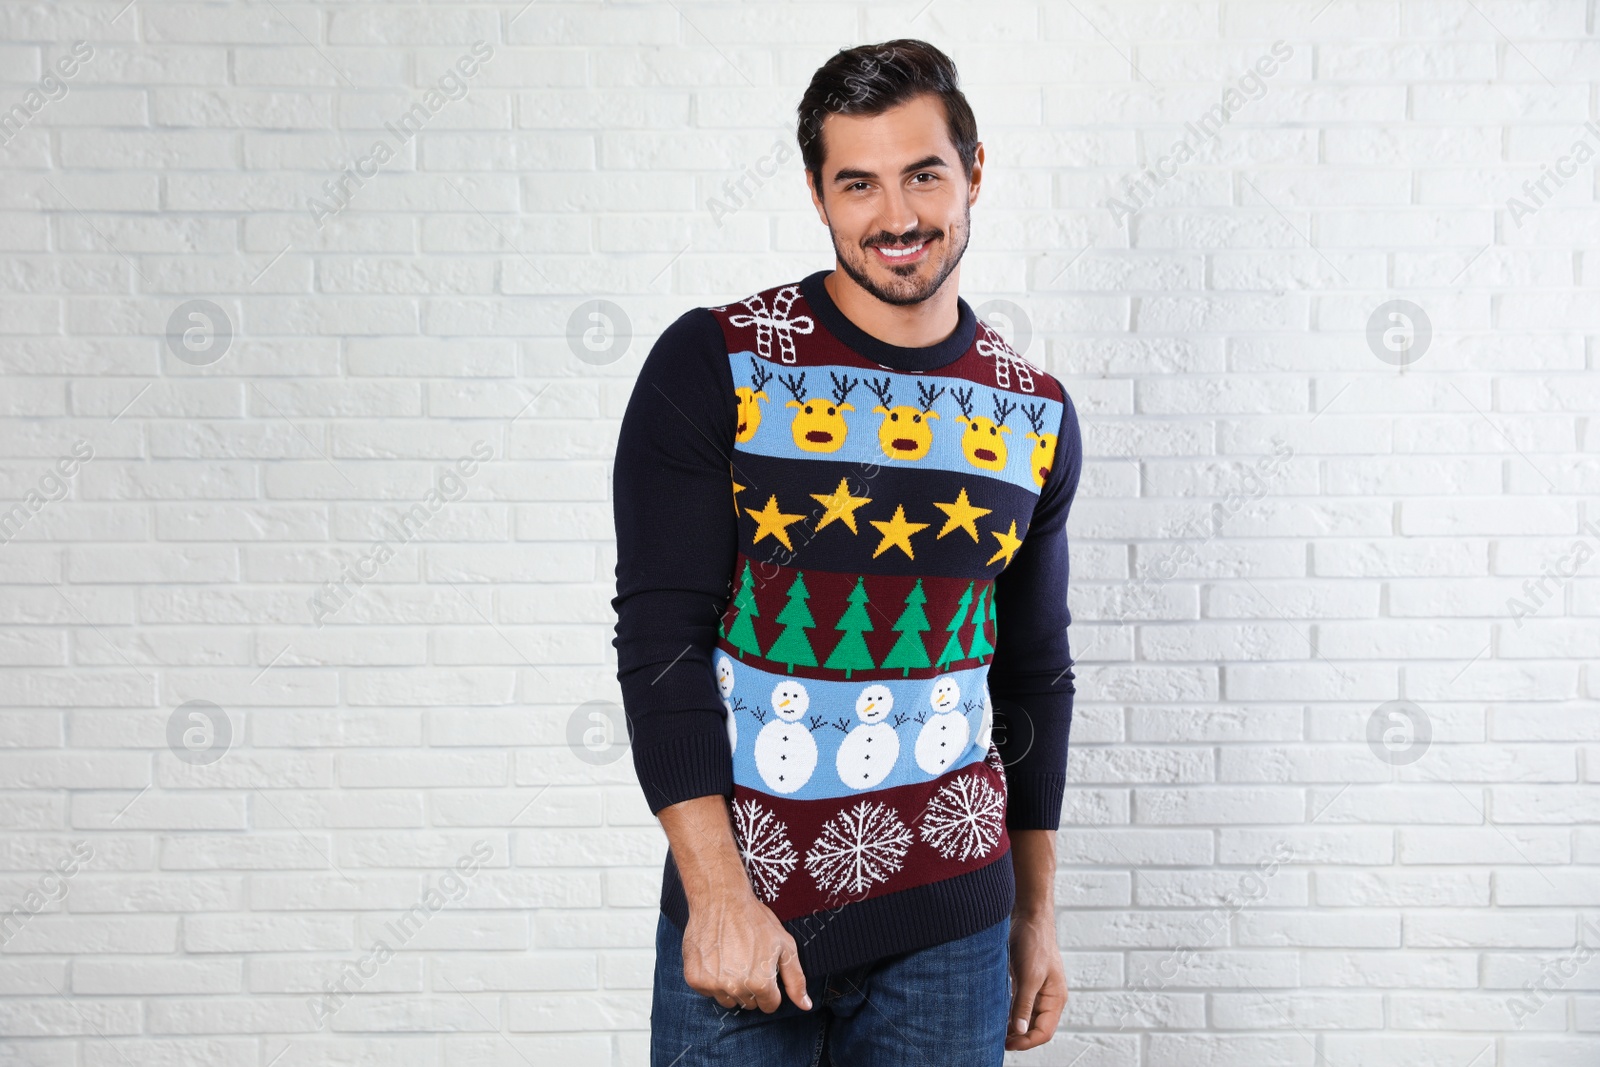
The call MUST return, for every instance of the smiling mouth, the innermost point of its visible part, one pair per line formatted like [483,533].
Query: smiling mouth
[901,253]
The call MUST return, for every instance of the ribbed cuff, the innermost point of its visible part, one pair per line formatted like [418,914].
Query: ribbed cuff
[1033,801]
[682,768]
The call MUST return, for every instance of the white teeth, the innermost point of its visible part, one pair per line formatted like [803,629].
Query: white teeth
[913,250]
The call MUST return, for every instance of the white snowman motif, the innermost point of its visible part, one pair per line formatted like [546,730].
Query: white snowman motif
[946,733]
[786,753]
[869,751]
[725,687]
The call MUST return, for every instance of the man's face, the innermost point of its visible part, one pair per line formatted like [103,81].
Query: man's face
[893,183]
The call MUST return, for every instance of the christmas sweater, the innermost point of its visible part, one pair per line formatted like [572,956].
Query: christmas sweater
[841,604]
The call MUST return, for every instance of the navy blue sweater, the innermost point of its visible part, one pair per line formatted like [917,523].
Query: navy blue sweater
[842,604]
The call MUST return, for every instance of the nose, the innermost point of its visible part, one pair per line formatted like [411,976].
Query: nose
[897,216]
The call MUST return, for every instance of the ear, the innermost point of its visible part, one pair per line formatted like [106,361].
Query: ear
[846,407]
[880,410]
[762,395]
[930,414]
[1005,429]
[1035,437]
[794,404]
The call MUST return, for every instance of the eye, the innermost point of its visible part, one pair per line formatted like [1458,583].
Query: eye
[991,431]
[916,418]
[830,411]
[808,409]
[894,416]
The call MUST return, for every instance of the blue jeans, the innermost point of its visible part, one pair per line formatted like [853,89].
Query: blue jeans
[942,1006]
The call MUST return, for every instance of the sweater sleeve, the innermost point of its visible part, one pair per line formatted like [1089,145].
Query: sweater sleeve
[677,537]
[1030,677]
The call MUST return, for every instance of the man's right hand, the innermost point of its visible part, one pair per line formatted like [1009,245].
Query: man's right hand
[734,949]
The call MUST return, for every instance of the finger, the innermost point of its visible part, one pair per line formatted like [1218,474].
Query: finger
[1023,992]
[1040,1019]
[794,978]
[764,984]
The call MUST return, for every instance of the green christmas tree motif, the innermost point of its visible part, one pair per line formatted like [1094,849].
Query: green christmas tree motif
[980,640]
[952,650]
[793,646]
[743,634]
[851,653]
[909,651]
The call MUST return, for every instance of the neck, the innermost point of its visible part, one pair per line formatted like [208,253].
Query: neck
[909,326]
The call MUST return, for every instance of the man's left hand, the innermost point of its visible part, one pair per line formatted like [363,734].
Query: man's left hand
[1038,981]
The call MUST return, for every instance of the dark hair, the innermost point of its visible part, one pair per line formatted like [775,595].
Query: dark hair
[872,78]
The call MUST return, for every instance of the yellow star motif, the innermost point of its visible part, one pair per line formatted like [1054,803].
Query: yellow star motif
[736,488]
[1009,543]
[897,532]
[961,515]
[769,520]
[840,505]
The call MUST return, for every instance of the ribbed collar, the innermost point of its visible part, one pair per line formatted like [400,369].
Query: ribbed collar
[881,352]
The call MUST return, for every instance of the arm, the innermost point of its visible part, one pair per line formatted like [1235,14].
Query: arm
[1030,677]
[1031,682]
[672,500]
[676,541]
[735,949]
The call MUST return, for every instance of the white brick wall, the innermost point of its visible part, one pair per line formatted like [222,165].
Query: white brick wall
[1232,672]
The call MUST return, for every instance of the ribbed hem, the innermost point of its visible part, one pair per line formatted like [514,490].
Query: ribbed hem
[1033,801]
[682,768]
[871,929]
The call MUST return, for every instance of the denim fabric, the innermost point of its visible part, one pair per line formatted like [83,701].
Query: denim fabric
[942,1006]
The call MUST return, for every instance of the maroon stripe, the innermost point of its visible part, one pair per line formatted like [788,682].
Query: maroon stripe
[781,646]
[909,836]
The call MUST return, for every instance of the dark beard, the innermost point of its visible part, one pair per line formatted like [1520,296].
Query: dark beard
[860,277]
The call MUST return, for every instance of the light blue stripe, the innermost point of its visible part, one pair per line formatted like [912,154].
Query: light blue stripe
[835,701]
[775,438]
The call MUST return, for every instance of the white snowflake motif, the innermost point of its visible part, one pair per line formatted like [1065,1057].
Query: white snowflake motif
[858,847]
[776,321]
[764,847]
[993,346]
[992,758]
[963,819]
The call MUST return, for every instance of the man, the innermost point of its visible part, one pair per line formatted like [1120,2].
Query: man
[841,638]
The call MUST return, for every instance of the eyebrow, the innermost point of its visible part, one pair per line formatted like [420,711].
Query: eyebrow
[925,163]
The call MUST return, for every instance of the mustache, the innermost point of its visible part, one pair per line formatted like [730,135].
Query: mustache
[892,241]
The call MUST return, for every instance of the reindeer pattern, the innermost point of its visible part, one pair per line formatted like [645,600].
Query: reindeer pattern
[944,423]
